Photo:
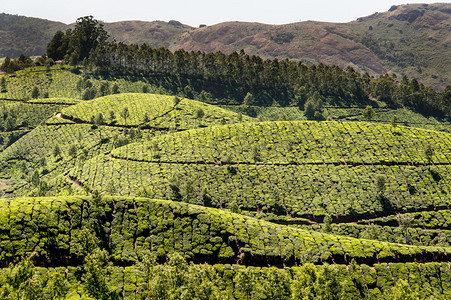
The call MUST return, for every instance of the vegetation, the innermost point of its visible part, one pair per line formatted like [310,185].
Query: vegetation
[115,184]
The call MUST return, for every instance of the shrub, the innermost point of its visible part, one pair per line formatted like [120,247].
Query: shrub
[35,93]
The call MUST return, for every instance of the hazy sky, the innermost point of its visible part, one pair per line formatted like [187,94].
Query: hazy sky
[195,12]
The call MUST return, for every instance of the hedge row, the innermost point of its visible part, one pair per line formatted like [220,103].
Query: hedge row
[60,230]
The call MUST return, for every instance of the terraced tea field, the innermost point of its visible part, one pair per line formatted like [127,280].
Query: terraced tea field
[144,188]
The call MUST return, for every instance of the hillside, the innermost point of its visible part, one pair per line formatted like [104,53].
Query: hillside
[156,34]
[256,167]
[20,34]
[142,192]
[44,155]
[409,40]
[127,228]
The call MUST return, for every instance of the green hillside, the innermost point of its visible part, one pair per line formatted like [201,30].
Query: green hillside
[144,193]
[402,116]
[258,167]
[80,132]
[127,228]
[19,34]
[155,111]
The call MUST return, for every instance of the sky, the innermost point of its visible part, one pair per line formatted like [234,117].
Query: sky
[196,12]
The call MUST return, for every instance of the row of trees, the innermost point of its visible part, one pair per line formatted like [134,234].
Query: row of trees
[231,76]
[177,279]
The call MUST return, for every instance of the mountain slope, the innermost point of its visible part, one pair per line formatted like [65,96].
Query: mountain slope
[19,34]
[408,39]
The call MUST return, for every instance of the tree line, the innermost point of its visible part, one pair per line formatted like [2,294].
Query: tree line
[232,76]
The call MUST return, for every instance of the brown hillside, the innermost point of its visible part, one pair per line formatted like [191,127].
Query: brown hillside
[411,39]
[311,42]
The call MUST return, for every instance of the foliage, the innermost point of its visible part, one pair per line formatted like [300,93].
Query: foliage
[368,113]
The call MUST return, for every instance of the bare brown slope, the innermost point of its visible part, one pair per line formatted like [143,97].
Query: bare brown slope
[156,34]
[311,42]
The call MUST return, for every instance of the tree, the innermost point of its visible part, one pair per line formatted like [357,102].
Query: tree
[176,100]
[96,275]
[394,121]
[57,286]
[35,93]
[83,242]
[89,93]
[59,46]
[249,100]
[311,283]
[401,291]
[245,281]
[87,35]
[429,152]
[368,113]
[313,107]
[72,150]
[380,184]
[115,88]
[99,120]
[199,113]
[112,116]
[188,92]
[7,65]
[327,224]
[104,88]
[3,84]
[56,151]
[125,114]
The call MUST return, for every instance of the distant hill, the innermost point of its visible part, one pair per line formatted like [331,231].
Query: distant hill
[409,39]
[19,34]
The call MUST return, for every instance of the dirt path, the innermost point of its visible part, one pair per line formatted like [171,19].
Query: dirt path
[75,182]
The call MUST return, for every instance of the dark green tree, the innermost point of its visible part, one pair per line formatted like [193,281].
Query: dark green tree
[380,184]
[115,89]
[35,93]
[313,107]
[96,274]
[429,152]
[368,113]
[327,224]
[7,65]
[56,151]
[394,121]
[89,93]
[3,85]
[88,35]
[125,113]
[59,46]
[188,92]
[199,113]
[176,100]
[249,100]
[72,150]
[104,88]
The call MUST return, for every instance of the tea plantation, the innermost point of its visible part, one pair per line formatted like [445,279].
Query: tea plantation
[149,196]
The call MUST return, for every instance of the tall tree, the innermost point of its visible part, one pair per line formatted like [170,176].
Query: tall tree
[59,46]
